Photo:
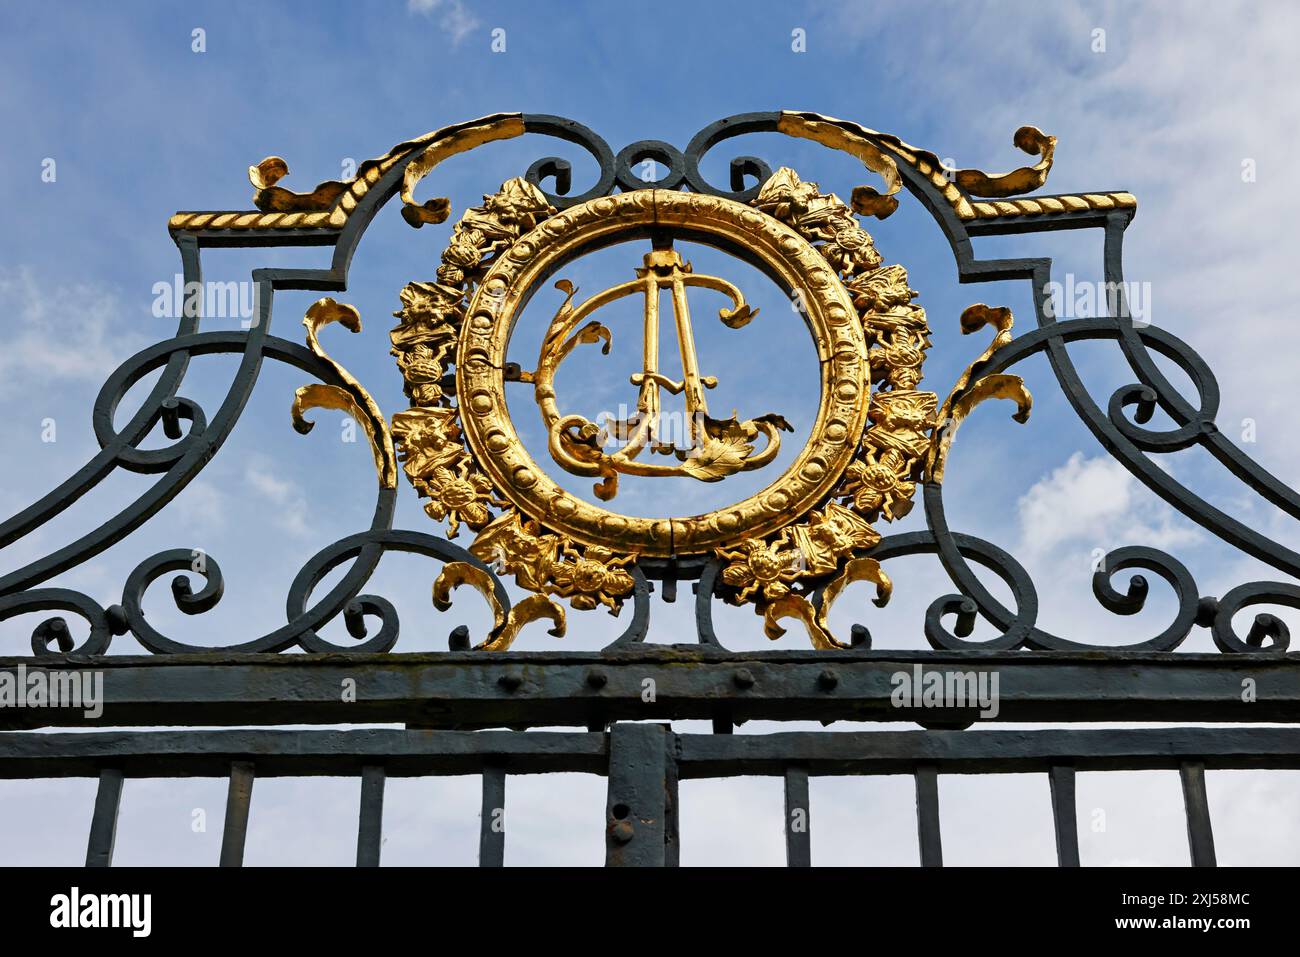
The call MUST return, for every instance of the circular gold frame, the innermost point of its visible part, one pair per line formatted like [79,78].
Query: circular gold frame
[828,310]
[808,532]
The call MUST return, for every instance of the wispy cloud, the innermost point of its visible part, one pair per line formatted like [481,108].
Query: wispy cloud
[1089,503]
[451,15]
[290,507]
[59,330]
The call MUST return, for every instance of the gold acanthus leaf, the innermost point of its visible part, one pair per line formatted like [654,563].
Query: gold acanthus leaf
[350,397]
[971,388]
[814,618]
[505,625]
[716,458]
[997,386]
[499,126]
[878,151]
[1026,179]
[276,199]
[838,135]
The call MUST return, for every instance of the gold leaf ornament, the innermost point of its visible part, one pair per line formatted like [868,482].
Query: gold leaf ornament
[350,397]
[505,625]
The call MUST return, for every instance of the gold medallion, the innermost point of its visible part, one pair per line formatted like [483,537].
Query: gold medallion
[808,529]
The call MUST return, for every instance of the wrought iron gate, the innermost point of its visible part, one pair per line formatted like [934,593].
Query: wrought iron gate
[448,702]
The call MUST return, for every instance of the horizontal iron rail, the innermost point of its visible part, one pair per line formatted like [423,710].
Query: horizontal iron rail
[987,752]
[469,690]
[282,753]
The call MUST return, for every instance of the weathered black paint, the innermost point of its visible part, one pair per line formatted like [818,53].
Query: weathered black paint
[1064,678]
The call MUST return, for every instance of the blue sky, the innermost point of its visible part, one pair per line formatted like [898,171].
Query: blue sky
[139,125]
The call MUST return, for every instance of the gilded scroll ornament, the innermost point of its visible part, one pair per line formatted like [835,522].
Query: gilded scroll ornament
[715,448]
[788,550]
[972,387]
[972,193]
[350,397]
[460,449]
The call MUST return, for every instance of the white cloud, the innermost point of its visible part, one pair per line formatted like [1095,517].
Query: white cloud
[201,507]
[1094,502]
[1140,116]
[61,332]
[290,508]
[451,15]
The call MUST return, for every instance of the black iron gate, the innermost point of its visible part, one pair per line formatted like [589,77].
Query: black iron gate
[448,702]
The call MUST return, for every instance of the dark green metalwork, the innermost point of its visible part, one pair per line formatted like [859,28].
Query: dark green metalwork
[1064,678]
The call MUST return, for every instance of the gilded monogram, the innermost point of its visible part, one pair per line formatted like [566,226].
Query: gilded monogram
[715,448]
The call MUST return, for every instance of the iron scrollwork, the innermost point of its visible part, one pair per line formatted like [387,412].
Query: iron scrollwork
[880,482]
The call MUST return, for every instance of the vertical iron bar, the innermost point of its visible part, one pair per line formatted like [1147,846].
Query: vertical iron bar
[671,840]
[672,843]
[370,830]
[238,798]
[1199,835]
[798,837]
[103,824]
[642,777]
[927,815]
[492,823]
[1065,815]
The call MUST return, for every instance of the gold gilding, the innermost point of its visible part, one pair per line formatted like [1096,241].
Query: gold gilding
[506,625]
[972,388]
[350,397]
[717,447]
[809,526]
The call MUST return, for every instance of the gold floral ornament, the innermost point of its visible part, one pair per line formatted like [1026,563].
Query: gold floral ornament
[505,625]
[972,387]
[350,397]
[428,434]
[808,532]
[440,469]
[806,529]
[431,445]
[544,562]
[778,573]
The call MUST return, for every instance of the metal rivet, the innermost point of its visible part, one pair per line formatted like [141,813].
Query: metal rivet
[117,622]
[828,679]
[458,640]
[743,678]
[597,678]
[510,681]
[1207,609]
